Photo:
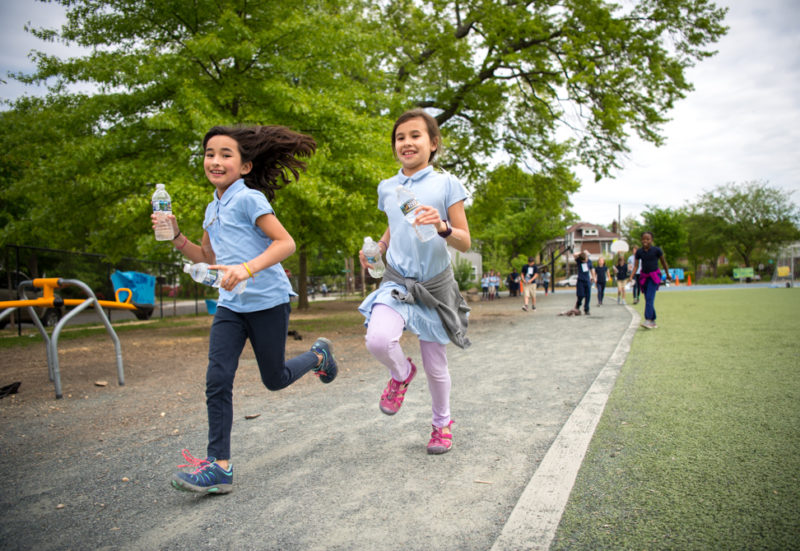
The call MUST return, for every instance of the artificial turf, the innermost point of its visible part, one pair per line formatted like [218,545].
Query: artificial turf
[699,444]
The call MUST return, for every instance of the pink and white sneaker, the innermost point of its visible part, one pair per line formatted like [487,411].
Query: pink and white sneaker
[394,393]
[440,441]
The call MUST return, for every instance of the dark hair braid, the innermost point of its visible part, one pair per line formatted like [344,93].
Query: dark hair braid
[273,150]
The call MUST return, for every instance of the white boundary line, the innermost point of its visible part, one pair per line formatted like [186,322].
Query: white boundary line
[535,518]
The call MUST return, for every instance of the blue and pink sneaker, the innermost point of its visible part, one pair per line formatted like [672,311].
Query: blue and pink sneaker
[207,478]
[327,369]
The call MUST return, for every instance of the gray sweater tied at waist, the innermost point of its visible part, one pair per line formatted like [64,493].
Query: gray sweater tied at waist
[440,293]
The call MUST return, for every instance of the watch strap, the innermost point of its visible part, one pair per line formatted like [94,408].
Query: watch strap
[446,233]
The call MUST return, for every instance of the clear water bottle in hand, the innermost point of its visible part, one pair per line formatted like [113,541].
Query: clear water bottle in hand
[409,204]
[372,252]
[202,274]
[162,206]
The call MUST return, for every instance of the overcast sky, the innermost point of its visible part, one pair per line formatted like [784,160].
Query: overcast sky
[741,123]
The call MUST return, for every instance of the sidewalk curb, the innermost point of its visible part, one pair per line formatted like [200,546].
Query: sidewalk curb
[535,518]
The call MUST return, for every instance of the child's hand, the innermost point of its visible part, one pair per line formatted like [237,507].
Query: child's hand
[427,215]
[172,220]
[231,275]
[362,258]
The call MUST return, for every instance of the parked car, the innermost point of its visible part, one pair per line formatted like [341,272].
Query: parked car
[9,281]
[571,281]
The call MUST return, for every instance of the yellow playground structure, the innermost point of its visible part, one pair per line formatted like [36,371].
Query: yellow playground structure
[52,300]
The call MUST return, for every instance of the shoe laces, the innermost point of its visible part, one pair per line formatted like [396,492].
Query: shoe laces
[320,369]
[391,390]
[438,437]
[192,461]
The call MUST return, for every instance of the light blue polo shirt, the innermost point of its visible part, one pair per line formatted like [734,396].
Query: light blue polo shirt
[410,256]
[235,238]
[407,254]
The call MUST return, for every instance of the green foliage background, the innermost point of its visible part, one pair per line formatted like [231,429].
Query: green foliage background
[502,78]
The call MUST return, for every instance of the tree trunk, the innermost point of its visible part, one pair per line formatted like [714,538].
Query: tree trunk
[302,284]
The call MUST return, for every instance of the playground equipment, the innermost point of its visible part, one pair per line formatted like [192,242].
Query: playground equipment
[50,299]
[141,288]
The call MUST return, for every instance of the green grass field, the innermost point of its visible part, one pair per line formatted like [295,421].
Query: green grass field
[699,445]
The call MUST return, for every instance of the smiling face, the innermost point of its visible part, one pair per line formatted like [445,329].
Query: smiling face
[413,145]
[647,240]
[223,162]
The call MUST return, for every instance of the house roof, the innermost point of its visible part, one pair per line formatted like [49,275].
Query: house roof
[602,233]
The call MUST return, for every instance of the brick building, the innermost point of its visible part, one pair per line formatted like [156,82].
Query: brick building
[584,237]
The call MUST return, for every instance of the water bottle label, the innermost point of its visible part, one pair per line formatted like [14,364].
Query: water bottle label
[409,206]
[211,277]
[162,206]
[372,260]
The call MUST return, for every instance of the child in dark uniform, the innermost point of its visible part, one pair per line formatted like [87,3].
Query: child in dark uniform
[649,277]
[586,277]
[621,275]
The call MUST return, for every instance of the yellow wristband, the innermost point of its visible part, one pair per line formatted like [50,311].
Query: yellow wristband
[246,267]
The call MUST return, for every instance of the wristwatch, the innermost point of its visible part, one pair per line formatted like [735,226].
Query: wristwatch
[446,233]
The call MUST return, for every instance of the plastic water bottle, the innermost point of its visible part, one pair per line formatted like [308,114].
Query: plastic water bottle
[373,253]
[162,206]
[408,204]
[201,274]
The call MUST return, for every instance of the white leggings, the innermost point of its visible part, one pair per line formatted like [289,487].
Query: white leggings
[383,341]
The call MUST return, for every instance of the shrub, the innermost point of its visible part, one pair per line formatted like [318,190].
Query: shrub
[462,270]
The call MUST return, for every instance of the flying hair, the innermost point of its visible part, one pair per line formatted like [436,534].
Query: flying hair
[274,152]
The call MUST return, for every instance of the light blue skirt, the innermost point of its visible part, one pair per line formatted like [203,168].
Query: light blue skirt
[419,318]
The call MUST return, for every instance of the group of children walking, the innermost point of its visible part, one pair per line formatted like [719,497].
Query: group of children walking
[641,267]
[244,239]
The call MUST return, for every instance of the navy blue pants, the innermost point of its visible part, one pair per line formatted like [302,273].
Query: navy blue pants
[601,291]
[649,290]
[230,330]
[584,291]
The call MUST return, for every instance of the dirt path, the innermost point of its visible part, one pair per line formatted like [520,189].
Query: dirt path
[320,467]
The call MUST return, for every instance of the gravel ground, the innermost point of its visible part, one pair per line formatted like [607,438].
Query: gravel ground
[319,467]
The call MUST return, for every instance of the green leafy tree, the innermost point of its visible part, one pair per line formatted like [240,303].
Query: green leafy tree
[754,216]
[163,73]
[669,230]
[705,240]
[508,75]
[631,229]
[499,76]
[514,213]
